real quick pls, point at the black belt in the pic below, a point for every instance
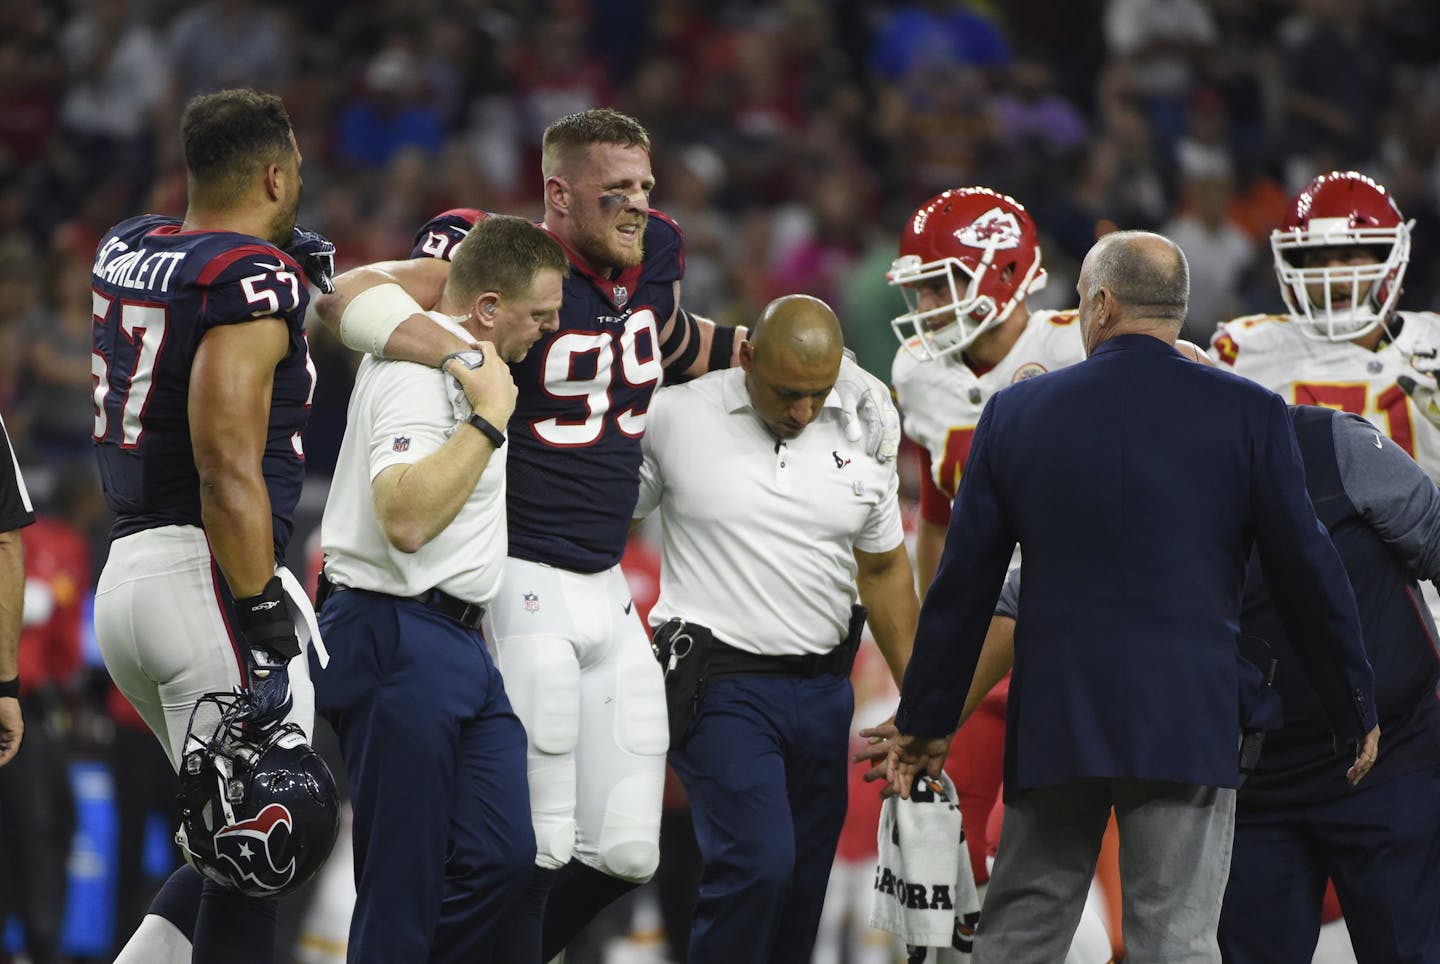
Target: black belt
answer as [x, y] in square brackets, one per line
[466, 614]
[726, 660]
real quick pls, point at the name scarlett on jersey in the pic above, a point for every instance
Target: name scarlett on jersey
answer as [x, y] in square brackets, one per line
[140, 268]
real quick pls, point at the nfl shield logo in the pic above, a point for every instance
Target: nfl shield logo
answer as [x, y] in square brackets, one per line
[620, 294]
[532, 602]
[401, 443]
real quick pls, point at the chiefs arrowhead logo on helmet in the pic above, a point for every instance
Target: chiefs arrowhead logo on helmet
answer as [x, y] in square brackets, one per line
[247, 846]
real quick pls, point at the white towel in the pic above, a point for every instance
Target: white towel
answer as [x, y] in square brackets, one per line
[302, 614]
[924, 888]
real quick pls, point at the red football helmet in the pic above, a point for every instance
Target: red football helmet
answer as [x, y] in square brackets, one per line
[1338, 302]
[984, 246]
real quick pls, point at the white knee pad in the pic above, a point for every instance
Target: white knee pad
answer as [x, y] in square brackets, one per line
[629, 845]
[641, 723]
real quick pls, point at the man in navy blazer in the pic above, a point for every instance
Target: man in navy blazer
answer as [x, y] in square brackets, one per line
[1137, 482]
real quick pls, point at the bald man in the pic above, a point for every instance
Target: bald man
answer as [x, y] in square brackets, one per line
[774, 527]
[1138, 482]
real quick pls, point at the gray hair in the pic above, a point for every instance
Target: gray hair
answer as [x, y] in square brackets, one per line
[1140, 278]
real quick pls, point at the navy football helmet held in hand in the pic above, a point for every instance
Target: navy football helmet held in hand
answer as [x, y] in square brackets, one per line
[315, 255]
[258, 810]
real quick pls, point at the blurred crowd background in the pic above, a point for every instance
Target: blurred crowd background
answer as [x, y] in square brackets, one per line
[791, 139]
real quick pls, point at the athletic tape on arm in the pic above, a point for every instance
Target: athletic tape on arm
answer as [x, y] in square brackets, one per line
[373, 315]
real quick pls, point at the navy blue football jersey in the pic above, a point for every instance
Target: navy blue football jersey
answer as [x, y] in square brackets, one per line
[574, 463]
[157, 290]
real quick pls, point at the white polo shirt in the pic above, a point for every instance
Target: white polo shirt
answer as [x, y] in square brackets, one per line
[399, 413]
[758, 534]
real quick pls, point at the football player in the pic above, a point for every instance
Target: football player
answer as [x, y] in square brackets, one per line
[968, 259]
[202, 387]
[1340, 257]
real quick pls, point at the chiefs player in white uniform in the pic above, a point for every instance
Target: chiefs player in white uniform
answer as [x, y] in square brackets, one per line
[1340, 258]
[968, 259]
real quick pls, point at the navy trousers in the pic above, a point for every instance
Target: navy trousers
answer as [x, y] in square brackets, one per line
[1381, 846]
[765, 770]
[436, 760]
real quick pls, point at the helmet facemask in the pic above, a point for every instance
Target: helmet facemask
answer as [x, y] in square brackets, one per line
[956, 323]
[1366, 293]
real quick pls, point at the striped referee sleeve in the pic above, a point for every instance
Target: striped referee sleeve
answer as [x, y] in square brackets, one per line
[16, 510]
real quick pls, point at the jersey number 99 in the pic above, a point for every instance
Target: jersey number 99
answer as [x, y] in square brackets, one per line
[639, 368]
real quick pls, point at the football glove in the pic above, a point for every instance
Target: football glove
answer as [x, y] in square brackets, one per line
[316, 256]
[268, 636]
[1424, 391]
[870, 415]
[460, 402]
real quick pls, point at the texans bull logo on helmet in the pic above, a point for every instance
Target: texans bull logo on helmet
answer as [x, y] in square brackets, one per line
[249, 846]
[258, 807]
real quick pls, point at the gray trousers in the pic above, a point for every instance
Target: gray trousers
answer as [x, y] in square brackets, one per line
[1175, 841]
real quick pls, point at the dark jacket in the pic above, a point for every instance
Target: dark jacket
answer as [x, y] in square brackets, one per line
[1136, 482]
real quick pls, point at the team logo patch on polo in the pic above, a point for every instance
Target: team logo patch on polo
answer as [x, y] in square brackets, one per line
[401, 443]
[840, 460]
[532, 602]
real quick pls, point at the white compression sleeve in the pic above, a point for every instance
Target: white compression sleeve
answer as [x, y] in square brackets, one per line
[373, 315]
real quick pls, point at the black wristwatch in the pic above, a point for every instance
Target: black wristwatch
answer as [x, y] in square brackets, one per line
[496, 437]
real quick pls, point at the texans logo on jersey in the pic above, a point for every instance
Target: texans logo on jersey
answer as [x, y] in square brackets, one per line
[250, 845]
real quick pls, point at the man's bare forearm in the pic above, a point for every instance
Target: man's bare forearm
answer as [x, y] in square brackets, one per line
[887, 588]
[12, 600]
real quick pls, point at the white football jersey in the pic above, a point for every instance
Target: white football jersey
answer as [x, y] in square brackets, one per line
[941, 400]
[1271, 350]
